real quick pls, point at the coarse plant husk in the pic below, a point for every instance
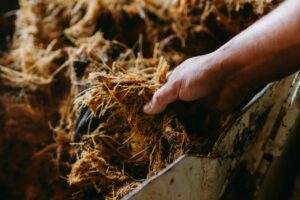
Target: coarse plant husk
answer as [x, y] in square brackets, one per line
[127, 145]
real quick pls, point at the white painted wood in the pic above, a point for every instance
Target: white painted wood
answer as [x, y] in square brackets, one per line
[189, 178]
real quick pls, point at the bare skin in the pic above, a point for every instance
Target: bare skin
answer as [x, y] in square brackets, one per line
[266, 51]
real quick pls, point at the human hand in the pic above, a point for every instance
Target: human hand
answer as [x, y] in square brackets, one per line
[201, 77]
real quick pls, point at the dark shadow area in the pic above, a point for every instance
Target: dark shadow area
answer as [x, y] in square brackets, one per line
[7, 20]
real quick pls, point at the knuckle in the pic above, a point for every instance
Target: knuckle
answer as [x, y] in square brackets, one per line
[185, 91]
[177, 88]
[158, 97]
[175, 84]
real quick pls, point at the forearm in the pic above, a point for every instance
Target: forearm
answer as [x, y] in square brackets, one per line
[266, 51]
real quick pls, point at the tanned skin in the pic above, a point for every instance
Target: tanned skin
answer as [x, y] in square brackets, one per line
[266, 51]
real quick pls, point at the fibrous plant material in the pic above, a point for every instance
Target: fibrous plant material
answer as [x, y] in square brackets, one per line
[127, 145]
[107, 57]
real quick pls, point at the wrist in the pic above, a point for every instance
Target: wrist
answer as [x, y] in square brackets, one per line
[230, 65]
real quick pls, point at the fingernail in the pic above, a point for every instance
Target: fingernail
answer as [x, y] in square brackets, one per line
[147, 108]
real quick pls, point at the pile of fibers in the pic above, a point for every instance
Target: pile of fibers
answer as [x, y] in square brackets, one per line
[127, 145]
[60, 58]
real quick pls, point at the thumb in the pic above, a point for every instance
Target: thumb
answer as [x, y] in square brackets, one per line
[162, 97]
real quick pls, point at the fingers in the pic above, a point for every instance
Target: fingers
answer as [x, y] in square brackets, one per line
[162, 97]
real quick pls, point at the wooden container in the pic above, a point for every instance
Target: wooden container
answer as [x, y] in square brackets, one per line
[256, 139]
